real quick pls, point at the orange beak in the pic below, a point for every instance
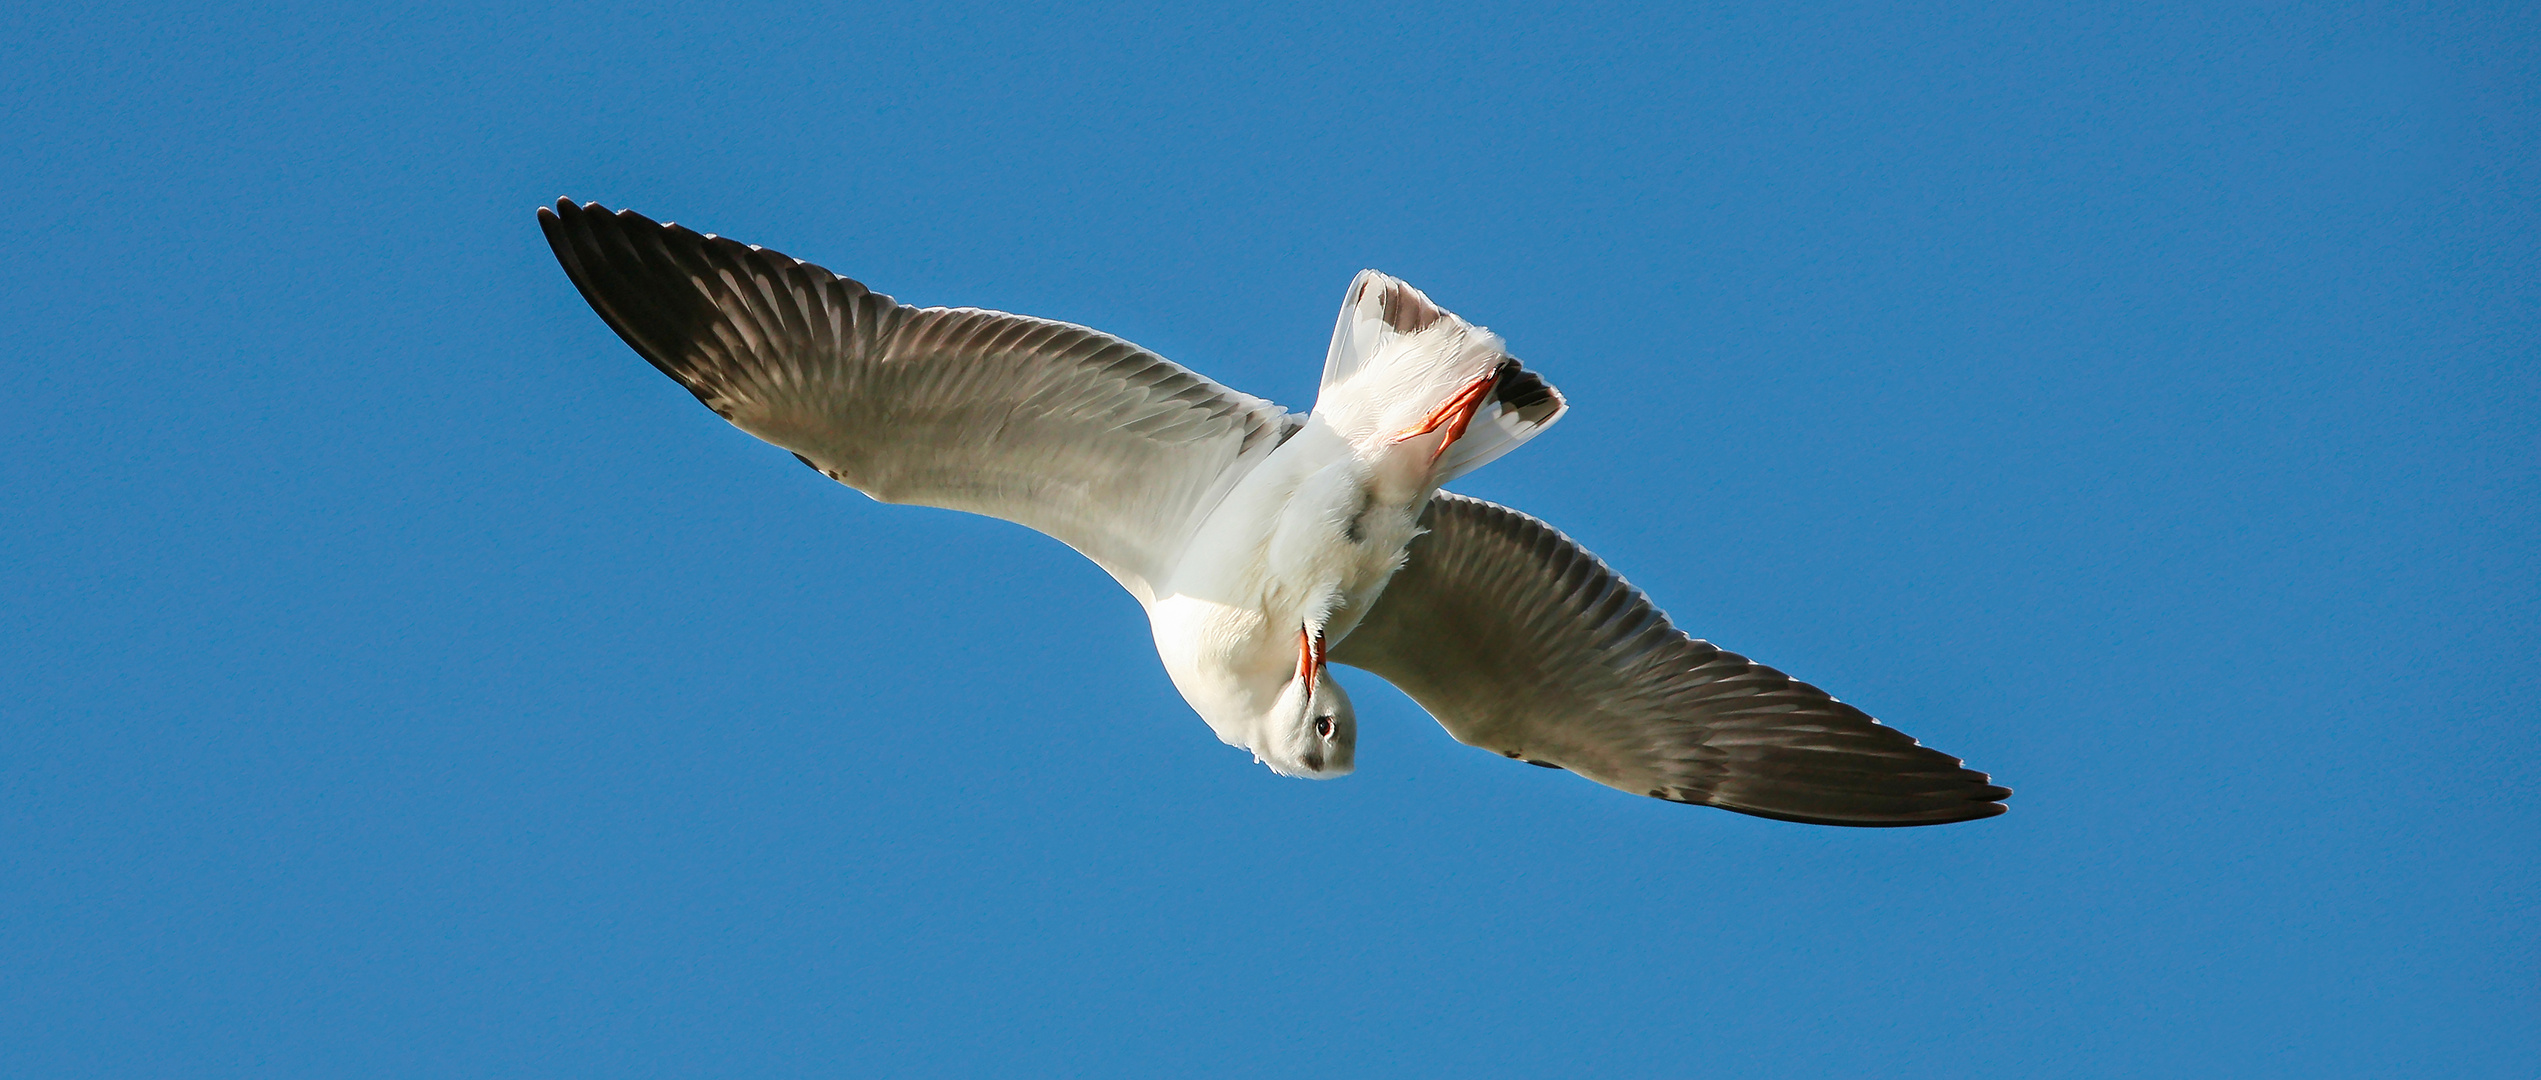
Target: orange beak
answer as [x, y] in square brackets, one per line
[1310, 657]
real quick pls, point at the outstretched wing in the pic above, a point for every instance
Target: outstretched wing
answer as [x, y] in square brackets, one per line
[1112, 449]
[1520, 641]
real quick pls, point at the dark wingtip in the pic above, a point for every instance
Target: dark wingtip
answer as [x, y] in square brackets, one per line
[1951, 816]
[1980, 800]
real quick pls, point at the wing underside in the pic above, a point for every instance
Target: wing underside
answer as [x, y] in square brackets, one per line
[1106, 446]
[1520, 641]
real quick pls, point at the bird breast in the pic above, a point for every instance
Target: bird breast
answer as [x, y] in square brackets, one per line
[1302, 542]
[1334, 547]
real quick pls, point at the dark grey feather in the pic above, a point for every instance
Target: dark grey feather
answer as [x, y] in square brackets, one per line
[1106, 446]
[1521, 642]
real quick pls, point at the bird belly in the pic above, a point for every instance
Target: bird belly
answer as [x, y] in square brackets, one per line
[1303, 543]
[1337, 544]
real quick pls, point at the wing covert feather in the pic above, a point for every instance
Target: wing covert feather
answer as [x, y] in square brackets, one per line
[1108, 447]
[1520, 641]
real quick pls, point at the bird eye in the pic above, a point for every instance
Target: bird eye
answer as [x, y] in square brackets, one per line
[1323, 727]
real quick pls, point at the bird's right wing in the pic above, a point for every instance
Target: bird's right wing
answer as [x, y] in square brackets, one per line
[1112, 449]
[1519, 641]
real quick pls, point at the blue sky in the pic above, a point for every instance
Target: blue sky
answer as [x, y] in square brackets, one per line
[399, 678]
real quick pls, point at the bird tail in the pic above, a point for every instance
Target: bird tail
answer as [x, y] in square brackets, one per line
[1397, 360]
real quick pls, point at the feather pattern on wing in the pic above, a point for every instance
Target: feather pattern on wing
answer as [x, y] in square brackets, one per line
[1110, 448]
[1520, 641]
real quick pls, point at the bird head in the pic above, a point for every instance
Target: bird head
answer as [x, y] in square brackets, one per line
[1310, 730]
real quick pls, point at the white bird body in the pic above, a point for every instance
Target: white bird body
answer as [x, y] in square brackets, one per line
[1260, 542]
[1301, 546]
[1306, 541]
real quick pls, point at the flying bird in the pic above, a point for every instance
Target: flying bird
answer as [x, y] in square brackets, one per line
[1265, 544]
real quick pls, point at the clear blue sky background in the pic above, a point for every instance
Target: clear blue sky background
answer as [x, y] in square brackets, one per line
[402, 679]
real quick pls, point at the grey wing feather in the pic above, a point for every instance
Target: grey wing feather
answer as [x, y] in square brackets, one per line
[1106, 446]
[1520, 641]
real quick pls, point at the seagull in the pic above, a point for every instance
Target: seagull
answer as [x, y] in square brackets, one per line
[1266, 545]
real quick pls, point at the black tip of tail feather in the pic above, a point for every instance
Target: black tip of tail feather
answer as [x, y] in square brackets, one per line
[1519, 390]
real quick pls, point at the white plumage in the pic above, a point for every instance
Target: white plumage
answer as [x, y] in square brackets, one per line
[1264, 544]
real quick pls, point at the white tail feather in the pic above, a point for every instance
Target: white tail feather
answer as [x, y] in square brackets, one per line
[1396, 357]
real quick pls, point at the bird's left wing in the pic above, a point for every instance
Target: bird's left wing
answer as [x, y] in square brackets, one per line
[1519, 641]
[1108, 447]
